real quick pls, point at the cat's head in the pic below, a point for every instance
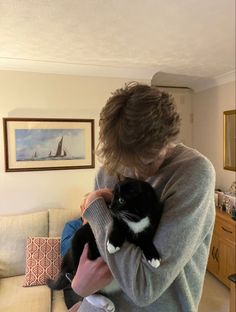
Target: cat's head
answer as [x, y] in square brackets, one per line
[132, 200]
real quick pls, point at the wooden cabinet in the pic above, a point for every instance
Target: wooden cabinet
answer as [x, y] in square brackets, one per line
[222, 257]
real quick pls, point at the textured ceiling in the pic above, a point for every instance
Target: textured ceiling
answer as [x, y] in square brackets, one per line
[118, 37]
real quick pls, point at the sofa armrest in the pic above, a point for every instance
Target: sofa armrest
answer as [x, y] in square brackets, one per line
[14, 231]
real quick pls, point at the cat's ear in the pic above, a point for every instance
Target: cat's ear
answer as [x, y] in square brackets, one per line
[150, 192]
[116, 189]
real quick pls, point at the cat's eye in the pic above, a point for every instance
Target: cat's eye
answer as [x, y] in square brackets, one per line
[121, 200]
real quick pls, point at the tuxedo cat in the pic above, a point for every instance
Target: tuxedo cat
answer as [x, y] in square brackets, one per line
[136, 212]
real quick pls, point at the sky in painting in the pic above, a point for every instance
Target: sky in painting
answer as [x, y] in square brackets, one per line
[44, 141]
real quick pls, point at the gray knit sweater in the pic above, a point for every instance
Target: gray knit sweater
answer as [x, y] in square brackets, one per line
[185, 183]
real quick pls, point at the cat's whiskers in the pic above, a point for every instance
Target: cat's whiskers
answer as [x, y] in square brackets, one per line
[128, 215]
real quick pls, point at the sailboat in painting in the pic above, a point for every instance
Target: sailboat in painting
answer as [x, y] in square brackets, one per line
[60, 152]
[34, 156]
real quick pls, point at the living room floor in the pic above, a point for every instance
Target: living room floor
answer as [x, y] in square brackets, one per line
[215, 296]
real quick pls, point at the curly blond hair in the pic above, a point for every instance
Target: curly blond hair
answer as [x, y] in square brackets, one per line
[136, 123]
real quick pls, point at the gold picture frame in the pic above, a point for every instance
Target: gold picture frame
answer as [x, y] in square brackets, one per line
[230, 140]
[33, 144]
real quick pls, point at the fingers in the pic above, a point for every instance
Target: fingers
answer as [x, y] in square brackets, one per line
[98, 264]
[106, 194]
[82, 206]
[104, 273]
[84, 255]
[84, 220]
[75, 307]
[90, 275]
[102, 269]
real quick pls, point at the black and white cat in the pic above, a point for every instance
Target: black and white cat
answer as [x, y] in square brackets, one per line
[136, 212]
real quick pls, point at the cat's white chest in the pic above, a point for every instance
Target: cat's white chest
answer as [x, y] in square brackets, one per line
[139, 226]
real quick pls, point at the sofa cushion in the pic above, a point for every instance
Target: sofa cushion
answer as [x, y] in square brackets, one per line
[42, 260]
[58, 303]
[15, 298]
[57, 219]
[14, 231]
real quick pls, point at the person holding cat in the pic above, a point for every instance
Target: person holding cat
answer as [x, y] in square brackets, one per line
[138, 127]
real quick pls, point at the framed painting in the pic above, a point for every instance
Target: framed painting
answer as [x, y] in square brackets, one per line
[48, 144]
[230, 140]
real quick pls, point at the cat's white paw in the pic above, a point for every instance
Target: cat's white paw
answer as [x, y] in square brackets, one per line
[154, 263]
[112, 249]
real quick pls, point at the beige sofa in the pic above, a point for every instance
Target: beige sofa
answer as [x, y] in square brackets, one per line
[14, 231]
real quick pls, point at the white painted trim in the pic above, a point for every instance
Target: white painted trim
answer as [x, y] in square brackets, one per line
[225, 78]
[207, 83]
[78, 69]
[128, 72]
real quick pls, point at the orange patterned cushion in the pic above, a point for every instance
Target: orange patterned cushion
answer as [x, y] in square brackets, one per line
[42, 260]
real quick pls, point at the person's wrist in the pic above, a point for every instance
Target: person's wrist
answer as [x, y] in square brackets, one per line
[90, 201]
[76, 288]
[92, 196]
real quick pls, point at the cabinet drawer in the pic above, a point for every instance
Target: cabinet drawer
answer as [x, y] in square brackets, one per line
[225, 230]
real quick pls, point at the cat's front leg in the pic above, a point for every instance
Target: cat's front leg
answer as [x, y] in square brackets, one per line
[151, 254]
[116, 238]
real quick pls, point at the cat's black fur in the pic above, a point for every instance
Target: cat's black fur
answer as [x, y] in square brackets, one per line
[133, 200]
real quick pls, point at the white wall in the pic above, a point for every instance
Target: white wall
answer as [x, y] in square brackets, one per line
[49, 96]
[208, 108]
[60, 96]
[183, 101]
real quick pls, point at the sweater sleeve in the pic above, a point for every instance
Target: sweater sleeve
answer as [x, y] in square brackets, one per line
[187, 220]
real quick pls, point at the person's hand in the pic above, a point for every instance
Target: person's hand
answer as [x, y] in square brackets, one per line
[75, 307]
[82, 208]
[90, 276]
[105, 193]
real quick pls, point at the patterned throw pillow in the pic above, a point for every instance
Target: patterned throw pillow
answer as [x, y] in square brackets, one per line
[42, 260]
